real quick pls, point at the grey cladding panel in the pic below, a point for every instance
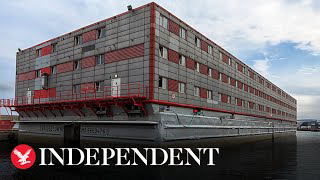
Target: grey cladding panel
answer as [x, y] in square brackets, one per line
[88, 48]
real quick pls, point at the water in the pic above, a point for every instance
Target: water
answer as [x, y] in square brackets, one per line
[296, 157]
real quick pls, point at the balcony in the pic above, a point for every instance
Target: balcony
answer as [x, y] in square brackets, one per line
[90, 97]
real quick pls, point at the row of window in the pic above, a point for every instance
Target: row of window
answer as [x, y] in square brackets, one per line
[53, 70]
[98, 87]
[99, 61]
[252, 90]
[163, 53]
[163, 84]
[76, 65]
[255, 77]
[77, 41]
[182, 33]
[240, 102]
[164, 23]
[53, 49]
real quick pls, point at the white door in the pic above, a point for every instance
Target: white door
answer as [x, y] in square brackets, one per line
[29, 96]
[115, 87]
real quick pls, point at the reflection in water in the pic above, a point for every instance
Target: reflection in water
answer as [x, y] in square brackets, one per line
[292, 157]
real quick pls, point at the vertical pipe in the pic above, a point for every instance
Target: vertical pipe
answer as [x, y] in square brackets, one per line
[95, 92]
[152, 49]
[129, 89]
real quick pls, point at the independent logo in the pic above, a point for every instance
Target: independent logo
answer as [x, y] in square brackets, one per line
[23, 156]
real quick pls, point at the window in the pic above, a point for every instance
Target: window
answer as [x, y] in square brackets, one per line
[229, 80]
[76, 89]
[243, 70]
[163, 21]
[196, 91]
[162, 82]
[76, 64]
[237, 101]
[242, 104]
[98, 86]
[237, 66]
[53, 69]
[182, 60]
[181, 87]
[99, 33]
[197, 66]
[220, 76]
[236, 83]
[38, 73]
[229, 61]
[220, 56]
[209, 72]
[99, 59]
[220, 97]
[229, 100]
[163, 52]
[38, 52]
[209, 94]
[182, 33]
[54, 47]
[210, 49]
[197, 42]
[76, 40]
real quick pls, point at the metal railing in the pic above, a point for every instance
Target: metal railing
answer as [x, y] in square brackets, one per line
[135, 90]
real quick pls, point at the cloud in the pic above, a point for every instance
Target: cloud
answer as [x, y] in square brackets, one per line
[262, 66]
[309, 70]
[5, 87]
[308, 106]
[254, 24]
[234, 25]
[306, 78]
[305, 87]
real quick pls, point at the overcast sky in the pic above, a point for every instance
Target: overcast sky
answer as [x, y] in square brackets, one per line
[278, 38]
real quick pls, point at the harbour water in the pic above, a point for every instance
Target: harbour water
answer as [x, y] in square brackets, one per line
[294, 157]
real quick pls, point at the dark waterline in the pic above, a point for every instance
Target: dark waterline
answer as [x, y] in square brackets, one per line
[296, 157]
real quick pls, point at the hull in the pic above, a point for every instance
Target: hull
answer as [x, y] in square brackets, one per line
[173, 127]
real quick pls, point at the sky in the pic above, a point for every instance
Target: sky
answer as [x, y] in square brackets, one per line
[280, 39]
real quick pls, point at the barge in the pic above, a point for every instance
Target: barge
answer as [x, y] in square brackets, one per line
[143, 76]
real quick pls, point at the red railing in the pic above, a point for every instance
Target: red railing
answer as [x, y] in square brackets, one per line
[135, 90]
[6, 124]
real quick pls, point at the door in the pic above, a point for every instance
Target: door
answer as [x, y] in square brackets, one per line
[29, 97]
[115, 87]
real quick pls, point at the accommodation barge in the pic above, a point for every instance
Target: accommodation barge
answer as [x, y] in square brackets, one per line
[142, 76]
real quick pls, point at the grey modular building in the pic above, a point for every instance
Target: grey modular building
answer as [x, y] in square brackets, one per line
[143, 76]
